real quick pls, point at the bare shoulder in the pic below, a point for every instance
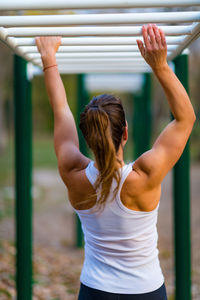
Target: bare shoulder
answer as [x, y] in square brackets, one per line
[76, 175]
[78, 185]
[136, 195]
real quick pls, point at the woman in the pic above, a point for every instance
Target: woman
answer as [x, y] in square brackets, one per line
[117, 203]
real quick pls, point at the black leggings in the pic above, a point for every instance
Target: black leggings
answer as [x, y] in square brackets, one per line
[87, 293]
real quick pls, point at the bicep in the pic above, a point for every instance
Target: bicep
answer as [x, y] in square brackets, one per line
[166, 151]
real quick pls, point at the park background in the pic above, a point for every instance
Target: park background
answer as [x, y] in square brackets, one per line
[57, 263]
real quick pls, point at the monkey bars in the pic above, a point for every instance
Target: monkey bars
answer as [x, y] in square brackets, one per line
[98, 35]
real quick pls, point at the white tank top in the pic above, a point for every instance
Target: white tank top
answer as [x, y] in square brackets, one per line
[121, 254]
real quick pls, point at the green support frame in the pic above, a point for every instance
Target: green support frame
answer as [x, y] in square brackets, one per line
[82, 101]
[142, 119]
[23, 179]
[181, 191]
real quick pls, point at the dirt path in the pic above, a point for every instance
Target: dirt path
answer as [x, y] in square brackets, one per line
[58, 264]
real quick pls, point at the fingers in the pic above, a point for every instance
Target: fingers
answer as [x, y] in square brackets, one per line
[145, 37]
[50, 39]
[154, 38]
[157, 36]
[141, 47]
[47, 43]
[163, 40]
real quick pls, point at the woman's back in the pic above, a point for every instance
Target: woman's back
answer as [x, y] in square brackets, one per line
[120, 244]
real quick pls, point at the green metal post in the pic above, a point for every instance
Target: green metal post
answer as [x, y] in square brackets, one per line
[142, 118]
[181, 190]
[82, 99]
[23, 178]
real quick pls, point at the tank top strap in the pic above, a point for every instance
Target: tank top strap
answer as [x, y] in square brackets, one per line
[125, 171]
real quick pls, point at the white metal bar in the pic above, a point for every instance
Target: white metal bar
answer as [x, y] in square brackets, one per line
[171, 40]
[93, 55]
[102, 67]
[105, 71]
[92, 49]
[93, 31]
[116, 61]
[135, 56]
[12, 45]
[92, 4]
[105, 19]
[186, 42]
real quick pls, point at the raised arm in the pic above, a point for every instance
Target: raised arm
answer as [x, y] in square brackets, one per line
[153, 165]
[65, 133]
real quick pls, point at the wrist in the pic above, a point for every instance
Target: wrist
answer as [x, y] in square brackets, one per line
[160, 68]
[48, 59]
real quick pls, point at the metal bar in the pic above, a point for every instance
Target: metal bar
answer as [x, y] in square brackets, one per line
[10, 42]
[93, 31]
[103, 66]
[98, 71]
[181, 188]
[85, 68]
[171, 40]
[90, 49]
[109, 61]
[142, 118]
[93, 55]
[105, 19]
[92, 4]
[101, 55]
[23, 169]
[187, 41]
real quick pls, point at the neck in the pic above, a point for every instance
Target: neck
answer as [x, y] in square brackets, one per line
[120, 155]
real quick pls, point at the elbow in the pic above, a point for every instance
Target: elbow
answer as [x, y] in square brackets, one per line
[191, 117]
[194, 118]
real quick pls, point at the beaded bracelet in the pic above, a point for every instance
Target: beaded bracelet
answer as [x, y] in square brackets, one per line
[49, 67]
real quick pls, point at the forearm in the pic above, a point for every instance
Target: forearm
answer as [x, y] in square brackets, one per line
[176, 94]
[54, 85]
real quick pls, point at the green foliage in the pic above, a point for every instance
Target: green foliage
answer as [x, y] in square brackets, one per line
[43, 152]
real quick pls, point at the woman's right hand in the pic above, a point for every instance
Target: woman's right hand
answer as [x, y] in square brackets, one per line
[154, 49]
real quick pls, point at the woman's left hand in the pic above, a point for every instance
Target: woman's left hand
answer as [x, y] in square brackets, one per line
[48, 45]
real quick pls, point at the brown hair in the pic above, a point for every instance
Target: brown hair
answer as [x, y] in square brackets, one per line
[102, 124]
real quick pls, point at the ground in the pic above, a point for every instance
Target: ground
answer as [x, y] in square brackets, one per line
[57, 263]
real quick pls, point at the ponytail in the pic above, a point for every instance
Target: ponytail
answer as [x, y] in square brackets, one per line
[97, 130]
